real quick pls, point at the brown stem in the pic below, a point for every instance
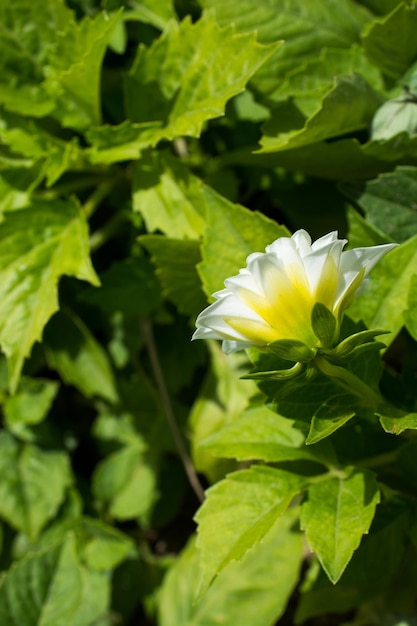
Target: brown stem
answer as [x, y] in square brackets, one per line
[147, 330]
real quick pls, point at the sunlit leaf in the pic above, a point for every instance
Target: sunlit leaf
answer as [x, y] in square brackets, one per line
[26, 469]
[306, 29]
[169, 197]
[222, 398]
[73, 77]
[334, 117]
[30, 405]
[389, 41]
[50, 587]
[37, 246]
[260, 433]
[233, 596]
[238, 513]
[338, 511]
[373, 566]
[22, 90]
[77, 356]
[186, 77]
[389, 202]
[175, 261]
[124, 483]
[243, 232]
[384, 299]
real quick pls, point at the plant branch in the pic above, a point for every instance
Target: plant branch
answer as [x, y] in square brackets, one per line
[147, 330]
[98, 195]
[101, 236]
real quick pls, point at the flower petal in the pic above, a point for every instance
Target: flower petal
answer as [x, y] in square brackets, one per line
[352, 263]
[215, 317]
[302, 240]
[324, 241]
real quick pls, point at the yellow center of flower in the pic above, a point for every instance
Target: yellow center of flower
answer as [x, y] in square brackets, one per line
[286, 308]
[326, 289]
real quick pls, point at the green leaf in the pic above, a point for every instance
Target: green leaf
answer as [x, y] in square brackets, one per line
[261, 433]
[332, 415]
[16, 184]
[51, 587]
[306, 404]
[222, 399]
[126, 141]
[394, 117]
[238, 513]
[399, 148]
[175, 261]
[37, 246]
[306, 28]
[384, 299]
[25, 503]
[307, 84]
[242, 232]
[338, 512]
[53, 155]
[23, 52]
[396, 421]
[186, 77]
[56, 67]
[150, 13]
[334, 117]
[73, 77]
[95, 599]
[169, 197]
[49, 569]
[390, 42]
[389, 202]
[101, 547]
[233, 595]
[361, 232]
[370, 572]
[76, 355]
[119, 428]
[30, 405]
[344, 159]
[124, 483]
[410, 317]
[379, 7]
[128, 286]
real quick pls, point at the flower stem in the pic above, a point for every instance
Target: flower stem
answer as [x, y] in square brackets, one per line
[385, 458]
[349, 381]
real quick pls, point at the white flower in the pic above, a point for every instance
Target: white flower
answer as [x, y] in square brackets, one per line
[272, 298]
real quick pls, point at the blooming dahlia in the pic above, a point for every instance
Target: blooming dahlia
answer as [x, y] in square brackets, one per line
[273, 297]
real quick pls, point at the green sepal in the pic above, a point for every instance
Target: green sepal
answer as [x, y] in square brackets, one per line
[324, 324]
[276, 374]
[292, 350]
[297, 382]
[353, 345]
[365, 347]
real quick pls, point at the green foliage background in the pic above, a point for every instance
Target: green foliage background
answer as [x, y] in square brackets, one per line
[146, 148]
